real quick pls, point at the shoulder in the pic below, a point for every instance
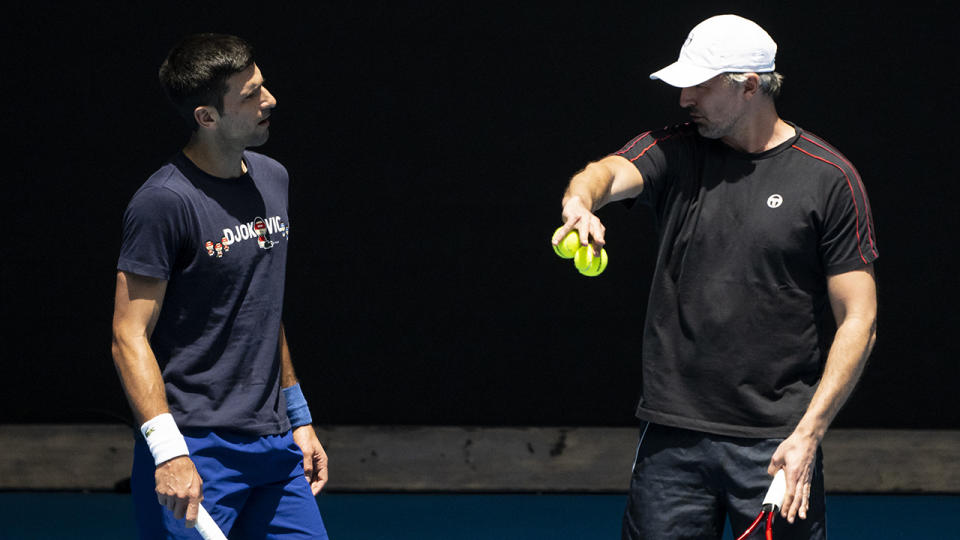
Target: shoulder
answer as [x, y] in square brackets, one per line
[637, 146]
[818, 154]
[838, 183]
[262, 164]
[166, 187]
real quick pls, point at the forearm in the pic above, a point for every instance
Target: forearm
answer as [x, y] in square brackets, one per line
[297, 410]
[848, 355]
[140, 376]
[592, 186]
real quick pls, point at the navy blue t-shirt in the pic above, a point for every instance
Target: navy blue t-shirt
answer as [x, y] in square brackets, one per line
[738, 319]
[221, 244]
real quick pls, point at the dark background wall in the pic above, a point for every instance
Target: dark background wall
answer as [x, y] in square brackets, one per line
[429, 144]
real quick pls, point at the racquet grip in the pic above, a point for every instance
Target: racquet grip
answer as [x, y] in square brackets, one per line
[777, 490]
[207, 527]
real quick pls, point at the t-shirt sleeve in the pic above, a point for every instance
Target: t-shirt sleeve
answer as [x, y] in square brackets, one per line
[153, 233]
[849, 240]
[650, 155]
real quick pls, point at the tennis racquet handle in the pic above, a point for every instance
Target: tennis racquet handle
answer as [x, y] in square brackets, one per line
[777, 490]
[207, 527]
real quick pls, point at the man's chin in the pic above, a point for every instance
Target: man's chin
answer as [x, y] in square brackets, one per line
[709, 133]
[259, 141]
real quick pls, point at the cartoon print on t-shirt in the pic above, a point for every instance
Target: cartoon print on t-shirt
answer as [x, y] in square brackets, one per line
[258, 228]
[263, 236]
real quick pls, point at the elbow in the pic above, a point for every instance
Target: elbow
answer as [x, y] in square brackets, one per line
[600, 169]
[122, 342]
[115, 347]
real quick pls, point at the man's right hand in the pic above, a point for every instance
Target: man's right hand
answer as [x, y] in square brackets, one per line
[576, 215]
[180, 488]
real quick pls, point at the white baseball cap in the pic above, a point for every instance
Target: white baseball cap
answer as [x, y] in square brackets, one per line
[721, 44]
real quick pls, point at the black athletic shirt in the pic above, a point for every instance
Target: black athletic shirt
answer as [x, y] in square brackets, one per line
[221, 244]
[737, 327]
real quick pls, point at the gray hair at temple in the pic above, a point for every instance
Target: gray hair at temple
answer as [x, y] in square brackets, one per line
[770, 83]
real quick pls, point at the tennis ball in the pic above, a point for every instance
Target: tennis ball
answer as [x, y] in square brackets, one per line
[589, 264]
[567, 247]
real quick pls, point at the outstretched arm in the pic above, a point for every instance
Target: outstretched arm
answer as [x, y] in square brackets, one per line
[609, 179]
[137, 305]
[853, 298]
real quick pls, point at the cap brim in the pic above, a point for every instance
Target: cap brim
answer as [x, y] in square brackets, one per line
[684, 75]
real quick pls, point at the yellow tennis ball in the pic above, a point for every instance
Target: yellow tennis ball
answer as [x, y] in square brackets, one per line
[589, 264]
[567, 247]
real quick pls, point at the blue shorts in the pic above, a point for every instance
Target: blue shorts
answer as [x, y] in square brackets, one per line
[253, 487]
[686, 483]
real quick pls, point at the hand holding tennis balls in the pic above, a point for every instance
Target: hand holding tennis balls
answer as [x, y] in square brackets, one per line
[583, 257]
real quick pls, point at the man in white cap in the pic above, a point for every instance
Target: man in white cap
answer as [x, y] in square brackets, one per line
[765, 230]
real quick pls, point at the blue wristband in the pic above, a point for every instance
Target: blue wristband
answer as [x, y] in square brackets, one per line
[297, 410]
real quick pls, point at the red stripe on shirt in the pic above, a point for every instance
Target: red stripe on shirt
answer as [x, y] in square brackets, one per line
[863, 190]
[852, 196]
[644, 151]
[635, 141]
[649, 146]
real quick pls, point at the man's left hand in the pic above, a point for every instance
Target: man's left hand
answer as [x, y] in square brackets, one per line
[796, 455]
[314, 457]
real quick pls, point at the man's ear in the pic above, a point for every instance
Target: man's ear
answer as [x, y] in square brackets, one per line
[206, 116]
[751, 86]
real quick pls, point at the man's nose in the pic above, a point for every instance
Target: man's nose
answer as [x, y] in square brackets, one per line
[686, 98]
[269, 101]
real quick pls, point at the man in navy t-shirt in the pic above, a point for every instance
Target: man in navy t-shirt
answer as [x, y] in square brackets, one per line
[198, 339]
[764, 229]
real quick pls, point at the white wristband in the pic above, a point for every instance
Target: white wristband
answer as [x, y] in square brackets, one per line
[164, 438]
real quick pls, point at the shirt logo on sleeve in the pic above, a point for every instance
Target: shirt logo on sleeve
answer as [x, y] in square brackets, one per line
[775, 200]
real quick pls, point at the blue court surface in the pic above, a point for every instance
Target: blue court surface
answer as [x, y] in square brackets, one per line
[107, 516]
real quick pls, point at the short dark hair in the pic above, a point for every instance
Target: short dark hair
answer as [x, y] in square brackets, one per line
[196, 70]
